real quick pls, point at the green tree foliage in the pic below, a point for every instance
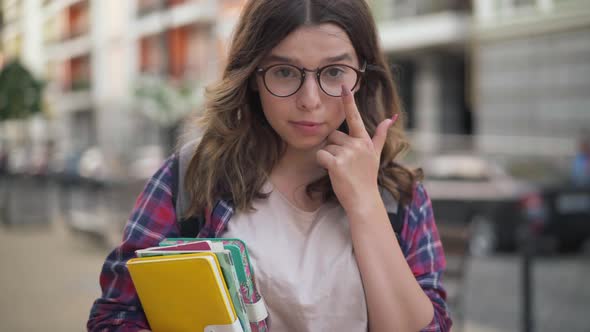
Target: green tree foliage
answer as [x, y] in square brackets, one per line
[20, 92]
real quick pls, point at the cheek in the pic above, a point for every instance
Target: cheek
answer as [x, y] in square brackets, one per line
[335, 111]
[271, 107]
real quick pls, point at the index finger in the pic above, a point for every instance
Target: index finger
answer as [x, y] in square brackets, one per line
[356, 127]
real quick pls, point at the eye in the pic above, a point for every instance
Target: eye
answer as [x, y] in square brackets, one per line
[334, 71]
[284, 72]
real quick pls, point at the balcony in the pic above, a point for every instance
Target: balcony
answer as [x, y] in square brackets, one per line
[80, 85]
[529, 17]
[146, 7]
[70, 48]
[74, 101]
[402, 9]
[177, 13]
[422, 32]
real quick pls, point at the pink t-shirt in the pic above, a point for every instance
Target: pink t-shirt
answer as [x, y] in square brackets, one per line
[304, 264]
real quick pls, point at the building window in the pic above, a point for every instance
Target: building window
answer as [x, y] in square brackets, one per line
[77, 76]
[178, 49]
[77, 20]
[151, 53]
[186, 56]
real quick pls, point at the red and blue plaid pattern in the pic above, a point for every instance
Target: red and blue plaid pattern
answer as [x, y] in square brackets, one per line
[153, 219]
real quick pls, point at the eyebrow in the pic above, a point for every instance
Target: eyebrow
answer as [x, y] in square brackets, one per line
[279, 58]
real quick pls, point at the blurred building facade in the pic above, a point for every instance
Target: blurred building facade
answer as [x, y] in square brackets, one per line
[531, 74]
[94, 56]
[501, 76]
[427, 42]
[507, 77]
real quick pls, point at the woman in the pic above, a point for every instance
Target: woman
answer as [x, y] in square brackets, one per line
[297, 149]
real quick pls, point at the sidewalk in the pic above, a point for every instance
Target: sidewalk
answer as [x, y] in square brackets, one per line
[48, 279]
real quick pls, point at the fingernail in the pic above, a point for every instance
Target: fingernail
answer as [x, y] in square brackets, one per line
[394, 118]
[345, 91]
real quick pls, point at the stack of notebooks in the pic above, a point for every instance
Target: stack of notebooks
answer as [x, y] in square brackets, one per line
[197, 285]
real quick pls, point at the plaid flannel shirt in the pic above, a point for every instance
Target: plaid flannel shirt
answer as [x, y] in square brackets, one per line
[153, 218]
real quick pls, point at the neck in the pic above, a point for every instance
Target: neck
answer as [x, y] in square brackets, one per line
[299, 166]
[293, 173]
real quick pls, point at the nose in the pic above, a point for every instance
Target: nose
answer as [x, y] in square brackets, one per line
[308, 96]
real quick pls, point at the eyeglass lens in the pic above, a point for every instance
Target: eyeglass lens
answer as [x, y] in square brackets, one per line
[285, 80]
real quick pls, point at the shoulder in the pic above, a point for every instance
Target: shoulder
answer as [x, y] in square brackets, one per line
[161, 186]
[153, 216]
[420, 198]
[167, 170]
[420, 205]
[419, 217]
[419, 213]
[423, 249]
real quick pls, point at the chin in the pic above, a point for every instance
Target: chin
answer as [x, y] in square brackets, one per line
[306, 143]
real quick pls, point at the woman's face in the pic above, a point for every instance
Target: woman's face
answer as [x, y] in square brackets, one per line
[304, 119]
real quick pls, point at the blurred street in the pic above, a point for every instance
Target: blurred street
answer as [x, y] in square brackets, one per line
[70, 265]
[561, 294]
[49, 279]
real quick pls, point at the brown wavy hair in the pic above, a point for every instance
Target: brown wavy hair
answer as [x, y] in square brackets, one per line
[239, 148]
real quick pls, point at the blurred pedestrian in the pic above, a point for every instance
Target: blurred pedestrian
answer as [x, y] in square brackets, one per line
[40, 163]
[4, 184]
[581, 163]
[3, 159]
[299, 152]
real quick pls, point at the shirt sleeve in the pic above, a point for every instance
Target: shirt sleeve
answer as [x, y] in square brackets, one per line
[152, 219]
[425, 256]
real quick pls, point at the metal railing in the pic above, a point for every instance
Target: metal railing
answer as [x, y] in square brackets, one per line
[500, 145]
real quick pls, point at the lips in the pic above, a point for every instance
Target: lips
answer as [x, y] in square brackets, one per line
[306, 123]
[307, 127]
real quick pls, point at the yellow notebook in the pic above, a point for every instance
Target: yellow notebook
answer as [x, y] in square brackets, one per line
[182, 293]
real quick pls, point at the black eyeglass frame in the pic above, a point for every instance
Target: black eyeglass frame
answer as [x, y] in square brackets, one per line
[318, 72]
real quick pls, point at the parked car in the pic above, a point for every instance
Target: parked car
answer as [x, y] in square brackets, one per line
[479, 197]
[565, 217]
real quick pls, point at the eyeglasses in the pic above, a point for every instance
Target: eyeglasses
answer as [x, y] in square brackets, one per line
[284, 80]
